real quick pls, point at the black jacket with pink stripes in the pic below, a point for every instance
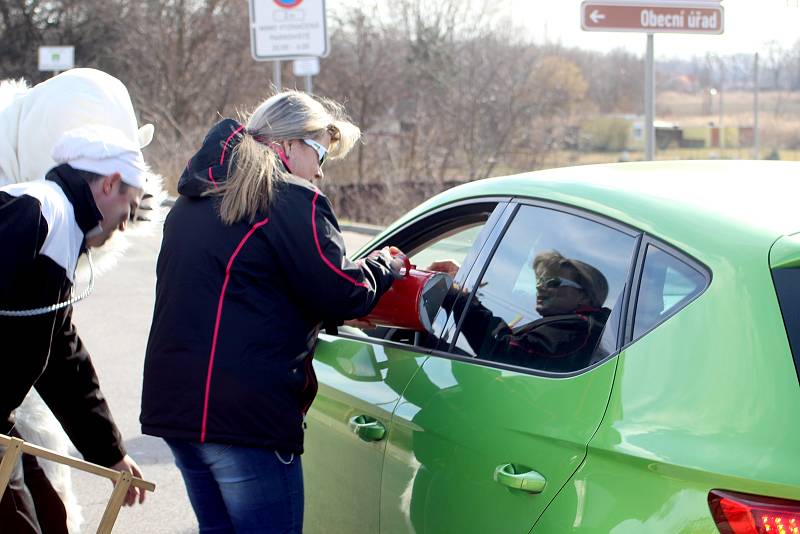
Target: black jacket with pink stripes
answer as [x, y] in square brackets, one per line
[238, 308]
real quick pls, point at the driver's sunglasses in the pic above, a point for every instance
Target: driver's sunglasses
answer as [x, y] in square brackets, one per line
[321, 150]
[556, 282]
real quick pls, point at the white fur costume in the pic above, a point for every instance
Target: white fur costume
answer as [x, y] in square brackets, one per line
[31, 121]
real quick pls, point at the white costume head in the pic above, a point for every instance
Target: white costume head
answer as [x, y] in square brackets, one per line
[31, 121]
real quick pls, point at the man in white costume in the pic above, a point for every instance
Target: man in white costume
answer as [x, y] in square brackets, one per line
[31, 122]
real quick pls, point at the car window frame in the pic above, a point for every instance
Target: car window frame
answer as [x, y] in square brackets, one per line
[496, 222]
[504, 212]
[650, 240]
[485, 260]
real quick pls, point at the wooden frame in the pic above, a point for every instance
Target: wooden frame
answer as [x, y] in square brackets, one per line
[15, 447]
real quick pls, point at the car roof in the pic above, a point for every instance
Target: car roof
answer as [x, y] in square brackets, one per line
[687, 202]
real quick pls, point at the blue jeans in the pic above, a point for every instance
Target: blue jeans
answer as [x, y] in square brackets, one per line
[241, 490]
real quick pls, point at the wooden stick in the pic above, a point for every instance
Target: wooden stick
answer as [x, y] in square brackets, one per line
[10, 458]
[121, 485]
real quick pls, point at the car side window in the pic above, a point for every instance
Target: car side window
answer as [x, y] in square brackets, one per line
[454, 243]
[545, 299]
[667, 284]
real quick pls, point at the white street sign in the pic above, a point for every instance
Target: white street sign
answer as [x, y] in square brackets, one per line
[286, 29]
[55, 58]
[307, 66]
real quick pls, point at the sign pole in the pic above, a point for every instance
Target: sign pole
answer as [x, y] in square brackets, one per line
[309, 88]
[649, 101]
[276, 74]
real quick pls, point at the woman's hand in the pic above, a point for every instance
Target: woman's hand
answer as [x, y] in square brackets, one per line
[361, 324]
[394, 258]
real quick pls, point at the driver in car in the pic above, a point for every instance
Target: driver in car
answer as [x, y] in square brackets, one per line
[569, 298]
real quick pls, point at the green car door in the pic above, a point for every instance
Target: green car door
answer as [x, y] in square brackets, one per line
[498, 418]
[362, 374]
[347, 429]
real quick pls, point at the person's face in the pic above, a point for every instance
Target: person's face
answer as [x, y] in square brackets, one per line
[556, 292]
[117, 204]
[304, 159]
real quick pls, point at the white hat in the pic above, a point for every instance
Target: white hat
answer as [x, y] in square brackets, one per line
[103, 150]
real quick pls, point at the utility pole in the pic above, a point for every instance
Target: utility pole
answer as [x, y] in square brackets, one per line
[756, 137]
[721, 91]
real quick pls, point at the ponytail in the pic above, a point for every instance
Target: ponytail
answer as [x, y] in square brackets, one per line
[250, 185]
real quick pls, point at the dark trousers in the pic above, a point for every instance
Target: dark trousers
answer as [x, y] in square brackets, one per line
[30, 505]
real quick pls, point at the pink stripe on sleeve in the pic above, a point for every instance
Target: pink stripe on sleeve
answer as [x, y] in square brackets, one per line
[319, 248]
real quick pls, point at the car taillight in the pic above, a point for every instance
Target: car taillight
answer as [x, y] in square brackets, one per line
[739, 513]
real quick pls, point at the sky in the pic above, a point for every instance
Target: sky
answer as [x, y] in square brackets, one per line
[749, 27]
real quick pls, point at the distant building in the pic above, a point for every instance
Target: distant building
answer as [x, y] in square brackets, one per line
[712, 137]
[667, 134]
[626, 132]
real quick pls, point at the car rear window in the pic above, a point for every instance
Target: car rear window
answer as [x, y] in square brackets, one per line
[787, 286]
[667, 285]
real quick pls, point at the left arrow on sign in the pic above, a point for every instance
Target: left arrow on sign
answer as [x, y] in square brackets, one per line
[596, 16]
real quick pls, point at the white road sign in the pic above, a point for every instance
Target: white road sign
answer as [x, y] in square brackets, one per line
[307, 66]
[286, 29]
[56, 58]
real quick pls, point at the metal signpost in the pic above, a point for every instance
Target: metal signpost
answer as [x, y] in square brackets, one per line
[56, 58]
[659, 16]
[287, 29]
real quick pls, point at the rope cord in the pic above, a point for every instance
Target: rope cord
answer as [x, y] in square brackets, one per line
[60, 305]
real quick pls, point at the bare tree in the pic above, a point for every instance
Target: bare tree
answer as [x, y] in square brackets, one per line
[365, 74]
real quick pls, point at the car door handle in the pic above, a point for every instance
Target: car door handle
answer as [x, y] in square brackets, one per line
[519, 478]
[367, 428]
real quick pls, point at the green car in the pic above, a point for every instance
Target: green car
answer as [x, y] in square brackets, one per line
[618, 352]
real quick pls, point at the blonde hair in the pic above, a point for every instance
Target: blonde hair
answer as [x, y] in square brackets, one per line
[255, 167]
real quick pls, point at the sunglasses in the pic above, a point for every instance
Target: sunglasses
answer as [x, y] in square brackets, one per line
[321, 150]
[556, 282]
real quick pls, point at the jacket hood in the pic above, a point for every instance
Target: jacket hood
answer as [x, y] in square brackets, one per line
[209, 166]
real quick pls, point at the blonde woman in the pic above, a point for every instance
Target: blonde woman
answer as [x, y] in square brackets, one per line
[252, 264]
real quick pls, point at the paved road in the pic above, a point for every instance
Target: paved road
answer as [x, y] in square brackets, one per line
[113, 324]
